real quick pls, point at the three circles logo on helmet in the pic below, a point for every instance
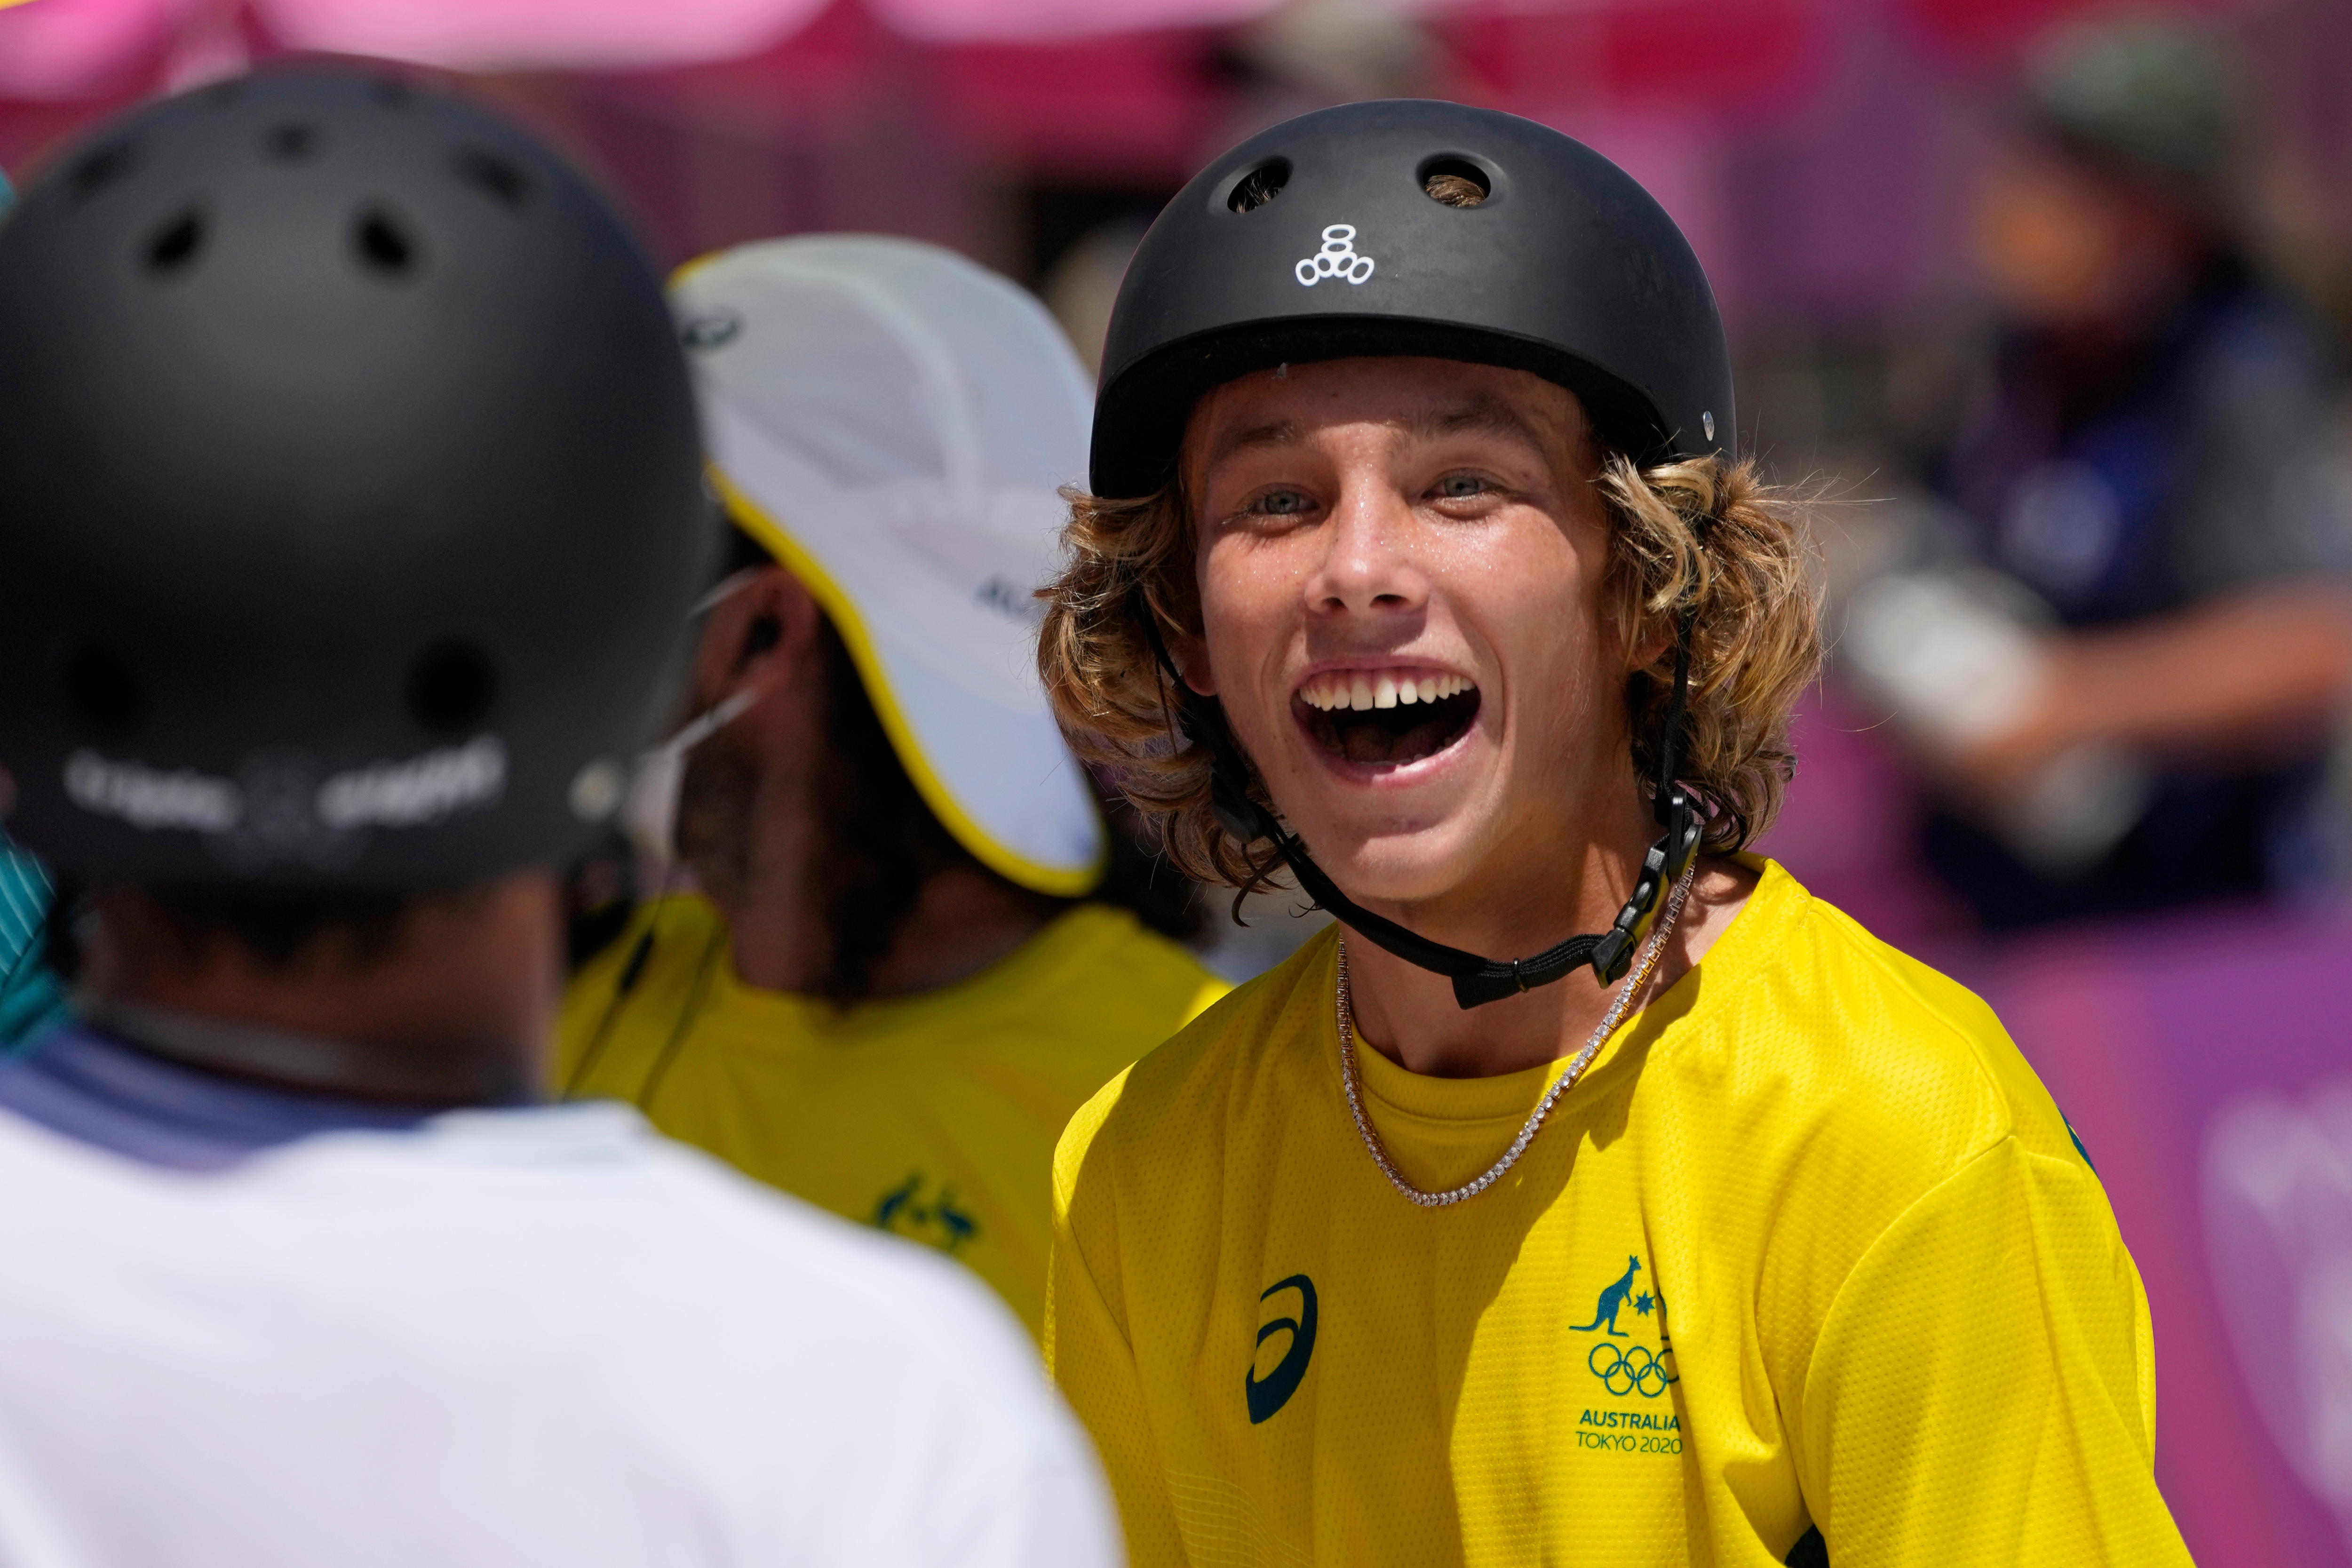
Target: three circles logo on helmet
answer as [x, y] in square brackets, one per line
[1337, 258]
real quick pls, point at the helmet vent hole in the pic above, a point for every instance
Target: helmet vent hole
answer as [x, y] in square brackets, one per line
[384, 246]
[1455, 182]
[491, 174]
[290, 141]
[451, 687]
[100, 689]
[1260, 185]
[175, 245]
[99, 170]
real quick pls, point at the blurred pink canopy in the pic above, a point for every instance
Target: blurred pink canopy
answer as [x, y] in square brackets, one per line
[65, 50]
[1047, 19]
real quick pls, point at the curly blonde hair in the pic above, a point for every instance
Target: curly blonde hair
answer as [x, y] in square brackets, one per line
[1701, 537]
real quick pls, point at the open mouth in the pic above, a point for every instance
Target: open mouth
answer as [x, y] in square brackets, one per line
[1386, 717]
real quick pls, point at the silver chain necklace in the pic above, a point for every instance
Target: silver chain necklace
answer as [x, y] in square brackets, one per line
[1561, 1085]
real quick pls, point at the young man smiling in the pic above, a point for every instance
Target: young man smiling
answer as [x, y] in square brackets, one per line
[1721, 1234]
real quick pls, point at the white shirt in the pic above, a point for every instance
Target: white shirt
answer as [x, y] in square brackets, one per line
[487, 1337]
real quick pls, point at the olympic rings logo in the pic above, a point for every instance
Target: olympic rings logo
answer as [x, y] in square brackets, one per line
[1623, 1373]
[1337, 258]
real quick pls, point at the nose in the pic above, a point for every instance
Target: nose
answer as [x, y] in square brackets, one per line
[1367, 567]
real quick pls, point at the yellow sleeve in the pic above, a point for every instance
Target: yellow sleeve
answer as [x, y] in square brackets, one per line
[1212, 990]
[1983, 1388]
[1086, 1345]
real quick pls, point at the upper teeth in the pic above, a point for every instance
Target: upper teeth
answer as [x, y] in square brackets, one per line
[1359, 689]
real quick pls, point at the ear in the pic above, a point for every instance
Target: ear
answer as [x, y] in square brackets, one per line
[1656, 640]
[1191, 656]
[757, 636]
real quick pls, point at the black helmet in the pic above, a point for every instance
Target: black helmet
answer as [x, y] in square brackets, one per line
[1322, 239]
[355, 499]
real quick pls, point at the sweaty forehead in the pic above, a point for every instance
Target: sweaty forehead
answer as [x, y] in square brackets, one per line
[1426, 399]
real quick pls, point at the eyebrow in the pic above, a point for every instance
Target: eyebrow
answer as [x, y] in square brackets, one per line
[1278, 433]
[1483, 415]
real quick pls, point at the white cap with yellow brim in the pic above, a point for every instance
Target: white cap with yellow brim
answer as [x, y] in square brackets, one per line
[895, 424]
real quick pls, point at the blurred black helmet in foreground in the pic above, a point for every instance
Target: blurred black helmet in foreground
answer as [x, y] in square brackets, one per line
[355, 499]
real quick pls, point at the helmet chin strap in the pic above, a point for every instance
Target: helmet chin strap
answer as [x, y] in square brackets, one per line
[1476, 981]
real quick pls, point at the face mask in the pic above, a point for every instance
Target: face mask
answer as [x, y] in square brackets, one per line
[649, 815]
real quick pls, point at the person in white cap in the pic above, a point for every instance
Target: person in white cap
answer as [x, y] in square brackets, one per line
[888, 990]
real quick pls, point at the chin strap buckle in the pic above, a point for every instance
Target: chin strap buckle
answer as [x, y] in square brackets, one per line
[1669, 856]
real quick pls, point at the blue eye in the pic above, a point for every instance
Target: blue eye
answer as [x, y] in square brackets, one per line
[1284, 503]
[1461, 487]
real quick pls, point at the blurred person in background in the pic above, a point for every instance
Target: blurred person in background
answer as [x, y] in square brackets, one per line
[360, 519]
[890, 986]
[2125, 678]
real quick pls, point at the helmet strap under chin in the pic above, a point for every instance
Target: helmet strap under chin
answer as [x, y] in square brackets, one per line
[1477, 980]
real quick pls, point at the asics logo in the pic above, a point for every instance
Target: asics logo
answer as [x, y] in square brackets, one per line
[1337, 258]
[1269, 1393]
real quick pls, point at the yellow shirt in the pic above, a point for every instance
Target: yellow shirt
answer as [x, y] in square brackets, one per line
[1809, 1245]
[931, 1115]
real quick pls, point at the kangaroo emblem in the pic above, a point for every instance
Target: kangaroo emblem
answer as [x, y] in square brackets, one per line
[1613, 1301]
[939, 1223]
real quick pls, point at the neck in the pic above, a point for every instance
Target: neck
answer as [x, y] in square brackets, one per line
[450, 1004]
[1518, 907]
[771, 891]
[964, 921]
